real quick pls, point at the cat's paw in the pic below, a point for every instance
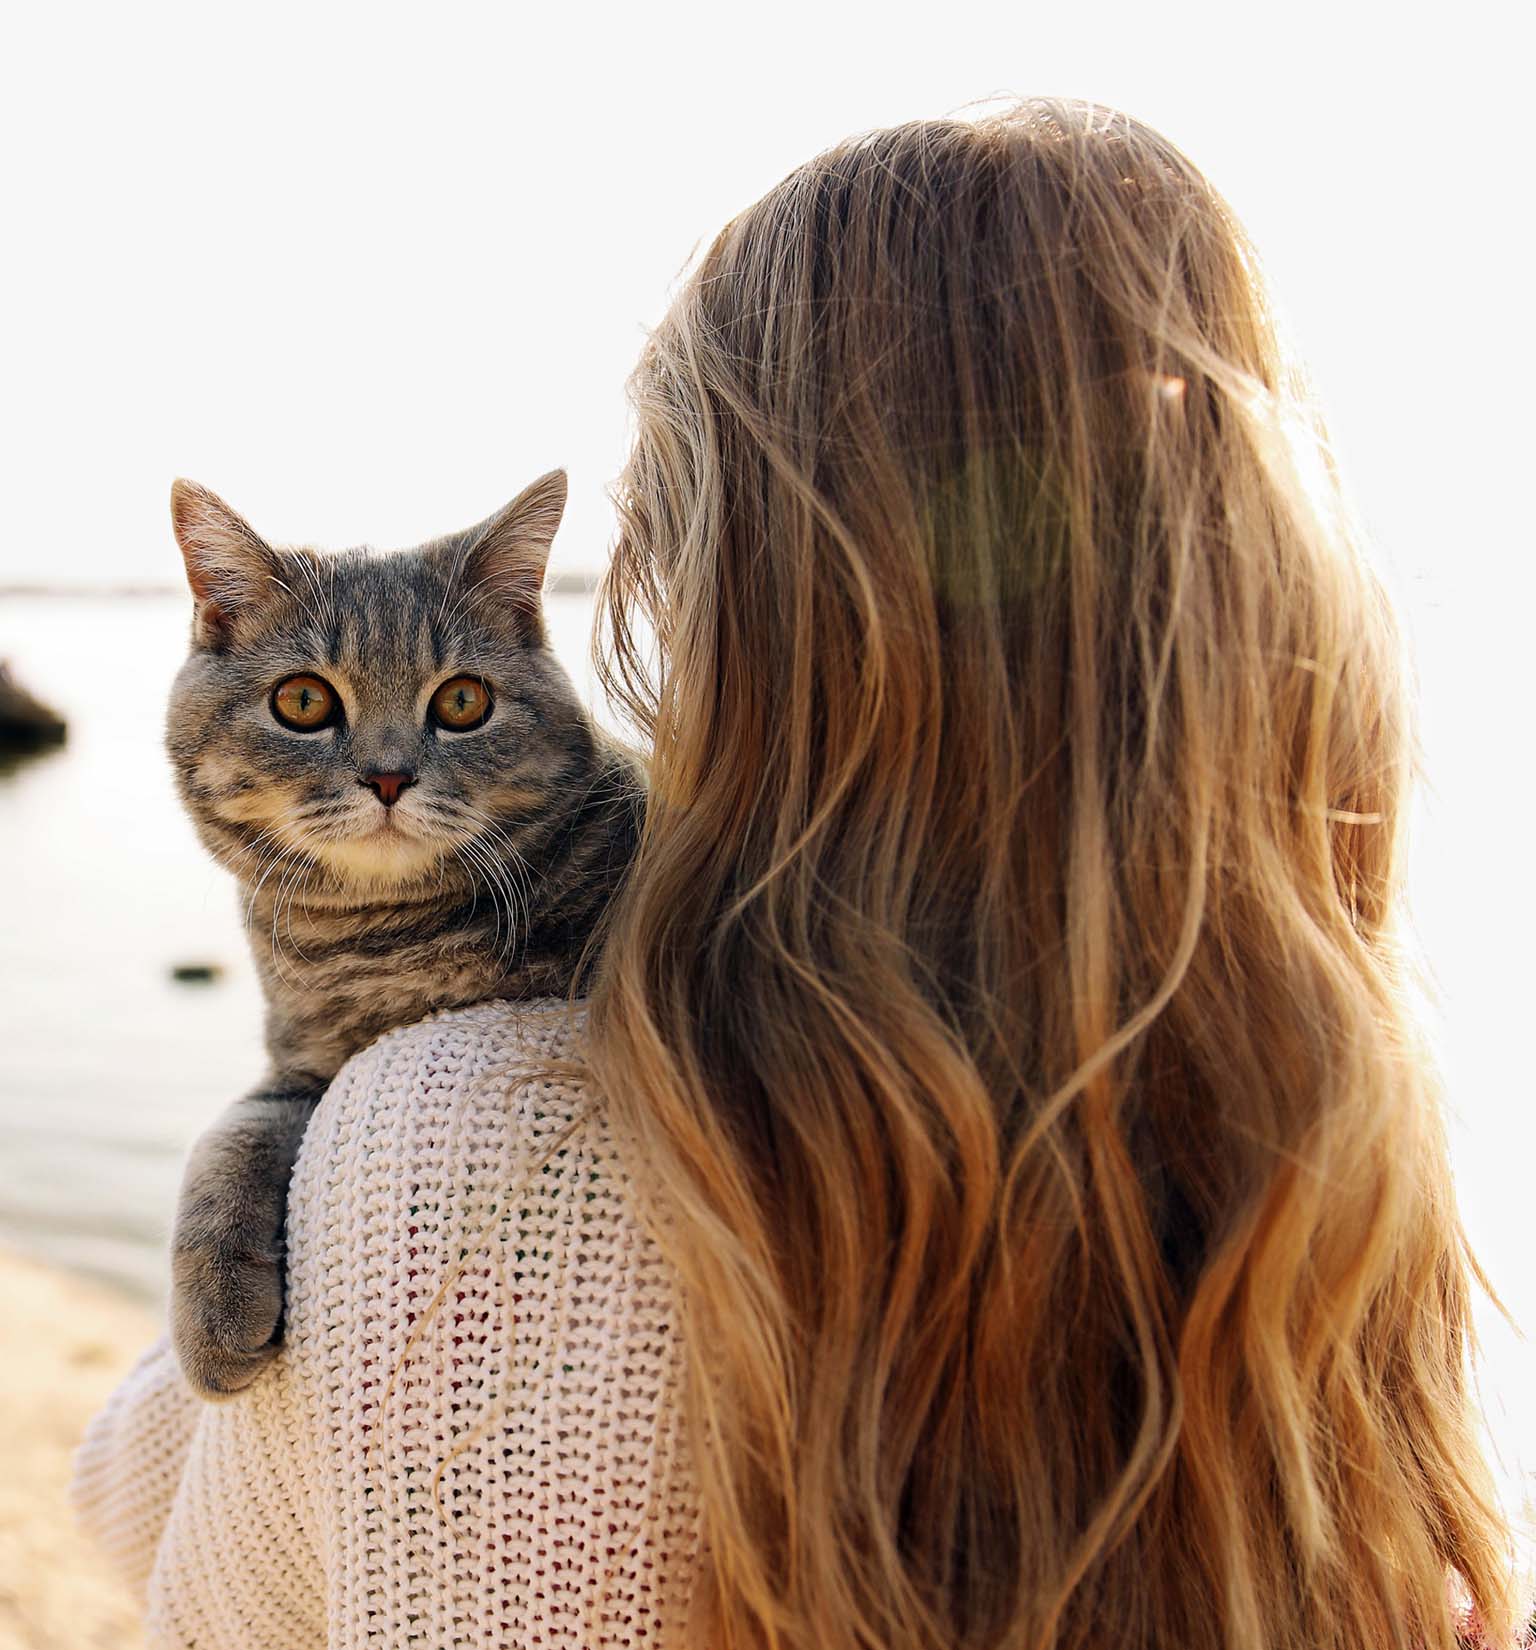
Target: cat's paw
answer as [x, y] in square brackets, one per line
[226, 1314]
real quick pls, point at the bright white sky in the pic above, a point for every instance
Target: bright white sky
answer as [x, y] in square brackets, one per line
[366, 270]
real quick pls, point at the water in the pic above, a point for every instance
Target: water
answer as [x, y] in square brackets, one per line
[109, 1066]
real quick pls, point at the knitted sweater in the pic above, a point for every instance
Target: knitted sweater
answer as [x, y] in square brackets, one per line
[471, 1437]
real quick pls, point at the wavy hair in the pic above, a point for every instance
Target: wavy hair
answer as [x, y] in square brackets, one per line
[1007, 1001]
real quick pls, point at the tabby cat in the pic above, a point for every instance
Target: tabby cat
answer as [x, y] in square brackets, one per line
[387, 755]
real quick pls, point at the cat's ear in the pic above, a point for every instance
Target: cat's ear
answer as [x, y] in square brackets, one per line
[509, 552]
[230, 567]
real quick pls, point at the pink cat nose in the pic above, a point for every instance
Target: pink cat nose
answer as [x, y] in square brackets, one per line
[387, 786]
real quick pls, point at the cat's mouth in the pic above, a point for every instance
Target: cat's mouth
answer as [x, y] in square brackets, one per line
[382, 849]
[376, 818]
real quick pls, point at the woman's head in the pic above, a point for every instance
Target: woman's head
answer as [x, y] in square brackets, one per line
[1006, 996]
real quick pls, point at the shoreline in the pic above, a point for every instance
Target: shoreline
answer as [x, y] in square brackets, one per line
[69, 1341]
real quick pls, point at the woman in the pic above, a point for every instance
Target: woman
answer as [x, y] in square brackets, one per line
[995, 1195]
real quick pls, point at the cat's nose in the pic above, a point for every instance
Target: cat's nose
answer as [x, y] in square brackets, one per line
[387, 786]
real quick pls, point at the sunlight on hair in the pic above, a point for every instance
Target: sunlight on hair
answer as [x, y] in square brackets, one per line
[1019, 1021]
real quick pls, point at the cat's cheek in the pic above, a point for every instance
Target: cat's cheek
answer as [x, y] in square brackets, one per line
[239, 797]
[513, 800]
[217, 775]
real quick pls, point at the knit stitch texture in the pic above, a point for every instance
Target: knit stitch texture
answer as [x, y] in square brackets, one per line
[471, 1438]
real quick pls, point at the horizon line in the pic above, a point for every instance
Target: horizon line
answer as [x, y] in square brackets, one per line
[563, 582]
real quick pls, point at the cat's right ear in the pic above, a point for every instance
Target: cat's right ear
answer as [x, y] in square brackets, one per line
[230, 567]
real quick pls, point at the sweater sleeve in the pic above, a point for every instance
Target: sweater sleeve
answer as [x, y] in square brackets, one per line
[471, 1437]
[130, 1462]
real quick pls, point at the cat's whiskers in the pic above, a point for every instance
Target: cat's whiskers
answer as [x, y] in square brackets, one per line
[442, 878]
[520, 872]
[491, 829]
[501, 898]
[272, 852]
[278, 853]
[297, 886]
[516, 925]
[266, 845]
[269, 861]
[468, 856]
[504, 892]
[474, 886]
[284, 887]
[513, 869]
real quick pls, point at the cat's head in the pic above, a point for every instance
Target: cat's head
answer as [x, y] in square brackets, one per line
[369, 721]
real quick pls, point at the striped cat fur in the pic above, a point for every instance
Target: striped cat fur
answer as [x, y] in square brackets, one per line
[390, 865]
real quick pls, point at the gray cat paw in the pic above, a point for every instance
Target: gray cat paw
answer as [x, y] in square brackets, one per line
[226, 1308]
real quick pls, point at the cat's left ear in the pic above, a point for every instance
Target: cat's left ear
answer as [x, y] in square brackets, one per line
[509, 552]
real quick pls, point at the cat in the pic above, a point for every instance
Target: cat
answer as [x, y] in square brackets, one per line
[420, 813]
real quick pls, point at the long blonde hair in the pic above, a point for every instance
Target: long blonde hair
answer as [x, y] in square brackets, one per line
[1006, 1002]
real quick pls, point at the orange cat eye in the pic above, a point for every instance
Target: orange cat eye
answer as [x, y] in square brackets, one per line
[304, 703]
[461, 703]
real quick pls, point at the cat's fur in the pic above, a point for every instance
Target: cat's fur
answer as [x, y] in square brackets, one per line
[485, 879]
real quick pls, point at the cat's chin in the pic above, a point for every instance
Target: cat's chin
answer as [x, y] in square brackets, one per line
[383, 862]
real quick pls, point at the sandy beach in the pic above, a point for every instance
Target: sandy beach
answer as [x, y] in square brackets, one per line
[66, 1344]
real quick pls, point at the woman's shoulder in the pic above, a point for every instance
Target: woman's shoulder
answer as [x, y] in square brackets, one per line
[447, 1115]
[517, 1058]
[452, 1149]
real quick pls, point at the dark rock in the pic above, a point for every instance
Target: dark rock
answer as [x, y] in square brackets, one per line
[26, 724]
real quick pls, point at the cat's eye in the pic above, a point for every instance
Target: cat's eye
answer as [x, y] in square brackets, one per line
[305, 703]
[461, 704]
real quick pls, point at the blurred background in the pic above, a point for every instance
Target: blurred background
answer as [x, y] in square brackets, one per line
[368, 270]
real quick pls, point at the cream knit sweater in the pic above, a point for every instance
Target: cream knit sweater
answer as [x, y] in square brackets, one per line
[471, 1437]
